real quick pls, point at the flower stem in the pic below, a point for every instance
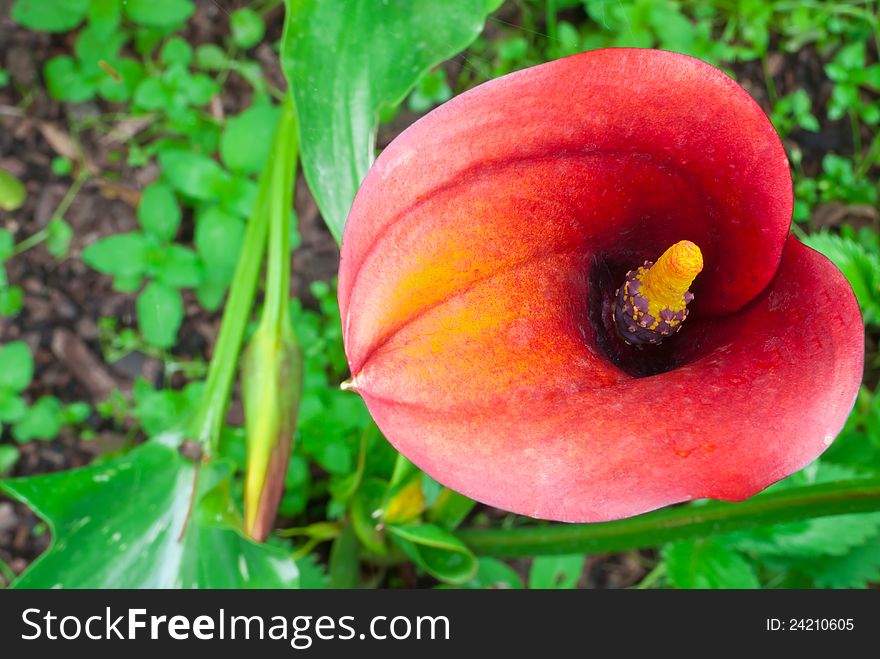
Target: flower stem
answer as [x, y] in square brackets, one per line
[271, 367]
[207, 423]
[679, 523]
[652, 577]
[276, 313]
[30, 242]
[36, 238]
[867, 161]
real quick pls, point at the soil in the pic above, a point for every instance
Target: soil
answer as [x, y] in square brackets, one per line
[64, 300]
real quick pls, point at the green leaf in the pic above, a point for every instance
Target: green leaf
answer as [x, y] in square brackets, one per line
[176, 51]
[118, 525]
[450, 509]
[122, 255]
[66, 81]
[201, 89]
[127, 284]
[238, 196]
[159, 314]
[707, 564]
[76, 412]
[832, 536]
[43, 420]
[857, 447]
[50, 15]
[335, 457]
[211, 57]
[858, 568]
[104, 15]
[159, 13]
[347, 59]
[131, 73]
[431, 90]
[247, 139]
[311, 573]
[150, 94]
[860, 267]
[158, 212]
[365, 502]
[12, 192]
[11, 301]
[513, 50]
[193, 174]
[218, 239]
[16, 366]
[296, 487]
[252, 72]
[436, 551]
[556, 571]
[160, 410]
[247, 27]
[8, 457]
[210, 294]
[58, 236]
[344, 564]
[92, 47]
[7, 242]
[147, 39]
[178, 267]
[494, 574]
[852, 56]
[12, 406]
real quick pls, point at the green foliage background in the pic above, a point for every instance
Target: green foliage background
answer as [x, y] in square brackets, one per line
[353, 511]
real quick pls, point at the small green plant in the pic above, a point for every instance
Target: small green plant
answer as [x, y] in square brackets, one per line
[17, 365]
[853, 79]
[117, 342]
[840, 181]
[56, 236]
[174, 84]
[151, 254]
[98, 68]
[9, 456]
[42, 419]
[160, 410]
[12, 191]
[11, 297]
[556, 571]
[221, 198]
[432, 90]
[247, 28]
[794, 111]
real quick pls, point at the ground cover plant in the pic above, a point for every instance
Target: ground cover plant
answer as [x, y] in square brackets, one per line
[175, 178]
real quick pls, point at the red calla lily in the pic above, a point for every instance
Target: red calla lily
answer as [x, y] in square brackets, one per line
[480, 265]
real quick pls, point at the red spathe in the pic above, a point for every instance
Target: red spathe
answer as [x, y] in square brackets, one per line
[468, 290]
